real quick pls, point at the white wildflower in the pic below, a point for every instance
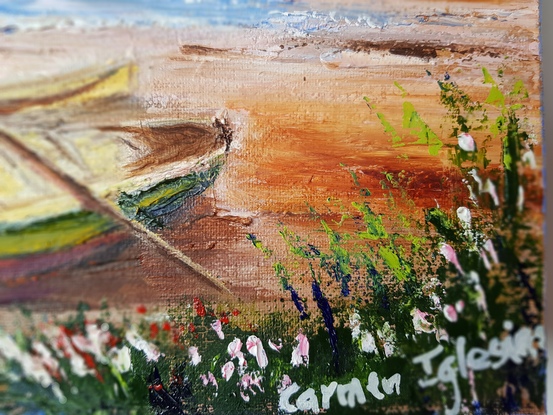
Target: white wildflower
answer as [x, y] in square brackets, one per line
[150, 350]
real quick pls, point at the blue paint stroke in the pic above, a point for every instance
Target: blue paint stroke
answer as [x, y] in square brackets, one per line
[297, 302]
[477, 408]
[277, 14]
[328, 318]
[146, 12]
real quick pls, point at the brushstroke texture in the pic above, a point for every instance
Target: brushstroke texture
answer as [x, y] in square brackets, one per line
[92, 203]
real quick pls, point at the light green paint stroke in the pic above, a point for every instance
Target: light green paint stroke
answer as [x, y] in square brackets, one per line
[293, 243]
[340, 253]
[417, 126]
[507, 158]
[282, 275]
[343, 218]
[416, 241]
[403, 91]
[375, 228]
[392, 260]
[519, 90]
[487, 77]
[496, 97]
[259, 245]
[390, 130]
[499, 126]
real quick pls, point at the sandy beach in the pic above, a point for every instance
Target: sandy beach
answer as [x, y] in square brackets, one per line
[294, 100]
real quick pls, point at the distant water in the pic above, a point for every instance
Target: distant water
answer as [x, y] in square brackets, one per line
[291, 14]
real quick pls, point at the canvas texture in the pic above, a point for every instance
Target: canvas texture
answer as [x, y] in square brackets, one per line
[271, 207]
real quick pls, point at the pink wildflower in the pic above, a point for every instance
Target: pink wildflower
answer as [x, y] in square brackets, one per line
[217, 326]
[206, 380]
[255, 380]
[450, 313]
[246, 383]
[485, 259]
[420, 323]
[255, 347]
[275, 347]
[300, 354]
[466, 142]
[194, 356]
[284, 383]
[460, 306]
[244, 396]
[227, 370]
[449, 254]
[488, 246]
[234, 350]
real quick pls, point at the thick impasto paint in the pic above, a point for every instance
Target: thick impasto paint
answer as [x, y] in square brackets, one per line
[239, 207]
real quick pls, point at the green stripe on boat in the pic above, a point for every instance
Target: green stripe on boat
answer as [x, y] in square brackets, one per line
[51, 234]
[150, 205]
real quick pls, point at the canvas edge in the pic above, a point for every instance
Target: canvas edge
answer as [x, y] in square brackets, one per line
[546, 16]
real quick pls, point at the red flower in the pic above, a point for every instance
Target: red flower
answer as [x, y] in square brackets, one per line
[88, 359]
[113, 341]
[66, 330]
[166, 326]
[199, 307]
[224, 319]
[235, 312]
[191, 328]
[141, 309]
[154, 330]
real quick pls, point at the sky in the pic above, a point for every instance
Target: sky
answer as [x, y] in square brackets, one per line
[181, 12]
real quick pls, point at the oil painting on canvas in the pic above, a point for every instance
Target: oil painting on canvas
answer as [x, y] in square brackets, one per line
[271, 206]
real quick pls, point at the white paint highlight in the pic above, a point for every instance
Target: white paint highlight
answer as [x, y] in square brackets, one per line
[525, 343]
